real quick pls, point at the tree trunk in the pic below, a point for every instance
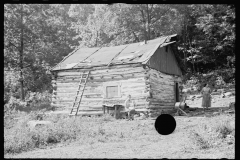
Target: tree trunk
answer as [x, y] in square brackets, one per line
[145, 28]
[97, 39]
[136, 38]
[148, 22]
[21, 57]
[190, 46]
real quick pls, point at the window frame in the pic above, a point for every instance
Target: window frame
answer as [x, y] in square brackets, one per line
[109, 84]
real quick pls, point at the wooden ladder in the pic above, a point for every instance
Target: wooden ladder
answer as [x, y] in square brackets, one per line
[78, 98]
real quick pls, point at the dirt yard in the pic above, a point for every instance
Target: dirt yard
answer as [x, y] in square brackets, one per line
[139, 139]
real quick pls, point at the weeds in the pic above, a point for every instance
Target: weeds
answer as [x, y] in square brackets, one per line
[201, 142]
[20, 138]
[215, 131]
[84, 130]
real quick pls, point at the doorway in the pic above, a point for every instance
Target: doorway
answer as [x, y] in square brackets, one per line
[176, 92]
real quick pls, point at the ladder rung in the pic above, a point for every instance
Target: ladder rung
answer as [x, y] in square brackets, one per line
[76, 102]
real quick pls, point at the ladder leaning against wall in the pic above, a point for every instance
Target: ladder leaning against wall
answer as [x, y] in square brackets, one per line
[81, 86]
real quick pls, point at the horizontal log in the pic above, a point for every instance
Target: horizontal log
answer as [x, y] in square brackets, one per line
[97, 81]
[166, 99]
[135, 81]
[88, 114]
[127, 73]
[129, 86]
[71, 99]
[82, 107]
[103, 77]
[157, 82]
[99, 67]
[83, 99]
[161, 103]
[90, 110]
[83, 104]
[99, 70]
[162, 92]
[154, 100]
[159, 74]
[105, 73]
[87, 110]
[124, 94]
[74, 94]
[160, 107]
[74, 85]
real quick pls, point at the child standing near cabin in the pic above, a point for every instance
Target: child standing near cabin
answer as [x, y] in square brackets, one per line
[130, 107]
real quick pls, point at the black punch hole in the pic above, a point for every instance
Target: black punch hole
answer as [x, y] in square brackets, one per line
[165, 124]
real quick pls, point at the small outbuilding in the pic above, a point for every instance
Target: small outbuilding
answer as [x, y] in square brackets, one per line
[148, 71]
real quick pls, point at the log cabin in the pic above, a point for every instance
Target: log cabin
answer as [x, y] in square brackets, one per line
[148, 71]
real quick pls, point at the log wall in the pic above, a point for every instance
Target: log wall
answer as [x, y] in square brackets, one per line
[130, 77]
[162, 89]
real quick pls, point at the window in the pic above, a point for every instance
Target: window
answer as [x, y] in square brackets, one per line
[112, 90]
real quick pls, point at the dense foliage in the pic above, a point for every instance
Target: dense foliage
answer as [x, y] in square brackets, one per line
[38, 36]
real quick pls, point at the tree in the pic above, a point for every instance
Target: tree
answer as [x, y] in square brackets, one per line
[15, 35]
[46, 39]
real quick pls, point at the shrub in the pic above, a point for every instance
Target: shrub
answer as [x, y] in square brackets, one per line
[224, 128]
[13, 104]
[38, 101]
[200, 141]
[10, 84]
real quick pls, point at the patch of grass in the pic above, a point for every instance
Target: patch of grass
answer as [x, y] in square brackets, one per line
[107, 118]
[20, 137]
[225, 128]
[213, 131]
[200, 141]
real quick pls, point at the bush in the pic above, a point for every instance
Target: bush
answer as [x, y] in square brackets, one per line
[224, 128]
[10, 84]
[200, 141]
[12, 105]
[33, 102]
[38, 101]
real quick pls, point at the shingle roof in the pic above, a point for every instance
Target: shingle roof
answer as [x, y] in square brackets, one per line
[123, 54]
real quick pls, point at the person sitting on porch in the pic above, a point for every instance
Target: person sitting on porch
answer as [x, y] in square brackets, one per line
[130, 107]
